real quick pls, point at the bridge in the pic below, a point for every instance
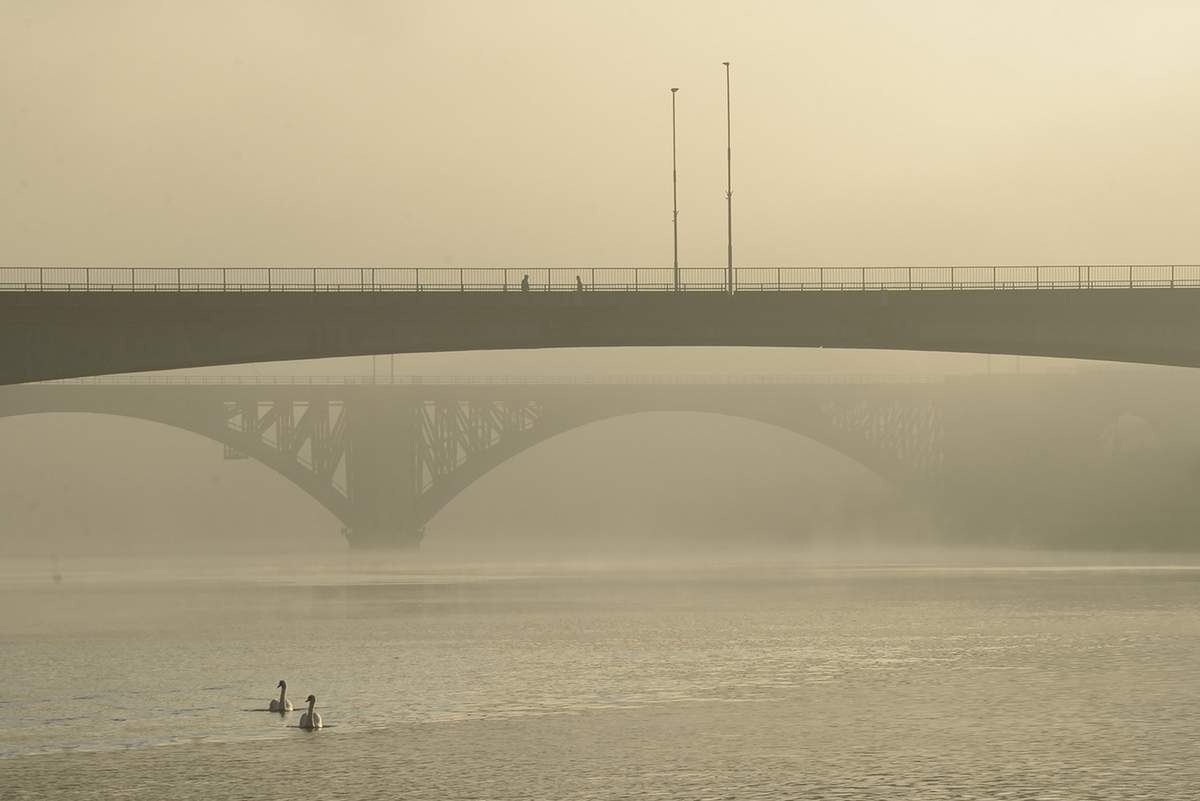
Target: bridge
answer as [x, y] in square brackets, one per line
[58, 323]
[385, 458]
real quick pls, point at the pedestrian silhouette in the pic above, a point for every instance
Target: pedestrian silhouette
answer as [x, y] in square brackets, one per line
[578, 284]
[525, 283]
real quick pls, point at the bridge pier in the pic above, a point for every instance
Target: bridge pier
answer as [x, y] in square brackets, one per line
[381, 477]
[378, 539]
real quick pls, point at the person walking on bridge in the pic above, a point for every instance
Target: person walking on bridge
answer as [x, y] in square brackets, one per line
[578, 284]
[525, 283]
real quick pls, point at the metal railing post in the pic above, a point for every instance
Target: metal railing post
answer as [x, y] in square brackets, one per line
[883, 278]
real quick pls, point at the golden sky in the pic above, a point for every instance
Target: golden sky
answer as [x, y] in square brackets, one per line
[538, 133]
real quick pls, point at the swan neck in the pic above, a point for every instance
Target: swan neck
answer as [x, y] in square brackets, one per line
[282, 694]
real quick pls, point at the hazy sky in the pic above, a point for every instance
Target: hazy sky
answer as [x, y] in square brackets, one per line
[538, 133]
[516, 133]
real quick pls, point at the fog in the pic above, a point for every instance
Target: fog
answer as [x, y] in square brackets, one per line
[654, 483]
[646, 486]
[537, 133]
[948, 576]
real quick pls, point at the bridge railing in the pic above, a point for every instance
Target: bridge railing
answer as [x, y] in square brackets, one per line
[594, 279]
[473, 380]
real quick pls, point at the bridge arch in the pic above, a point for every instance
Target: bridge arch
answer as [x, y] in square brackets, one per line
[385, 460]
[892, 454]
[327, 496]
[818, 435]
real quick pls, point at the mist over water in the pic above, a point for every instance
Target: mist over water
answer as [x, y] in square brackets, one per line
[652, 483]
[798, 678]
[672, 604]
[662, 604]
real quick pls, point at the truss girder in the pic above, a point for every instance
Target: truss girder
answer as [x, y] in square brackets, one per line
[903, 436]
[379, 457]
[452, 441]
[295, 431]
[452, 433]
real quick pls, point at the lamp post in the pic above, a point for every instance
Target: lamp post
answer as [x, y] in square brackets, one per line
[674, 190]
[728, 183]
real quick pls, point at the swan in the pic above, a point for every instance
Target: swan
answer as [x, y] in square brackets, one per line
[311, 720]
[283, 704]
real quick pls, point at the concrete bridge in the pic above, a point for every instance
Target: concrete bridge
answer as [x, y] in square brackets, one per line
[384, 459]
[64, 323]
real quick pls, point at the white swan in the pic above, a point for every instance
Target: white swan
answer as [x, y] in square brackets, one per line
[311, 720]
[283, 704]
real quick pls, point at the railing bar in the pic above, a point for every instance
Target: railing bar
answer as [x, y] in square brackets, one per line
[638, 279]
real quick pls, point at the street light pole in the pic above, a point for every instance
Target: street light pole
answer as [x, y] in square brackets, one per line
[674, 189]
[728, 182]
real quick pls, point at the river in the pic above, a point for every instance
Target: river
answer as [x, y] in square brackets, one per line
[143, 681]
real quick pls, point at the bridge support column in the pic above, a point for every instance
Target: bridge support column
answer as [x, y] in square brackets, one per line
[382, 539]
[381, 479]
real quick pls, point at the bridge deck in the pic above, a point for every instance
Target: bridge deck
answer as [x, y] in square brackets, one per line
[47, 334]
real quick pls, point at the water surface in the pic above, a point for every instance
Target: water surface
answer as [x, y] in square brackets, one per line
[561, 683]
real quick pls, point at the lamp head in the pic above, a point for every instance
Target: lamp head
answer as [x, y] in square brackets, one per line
[674, 89]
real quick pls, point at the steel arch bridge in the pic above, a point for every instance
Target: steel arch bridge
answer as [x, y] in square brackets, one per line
[384, 459]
